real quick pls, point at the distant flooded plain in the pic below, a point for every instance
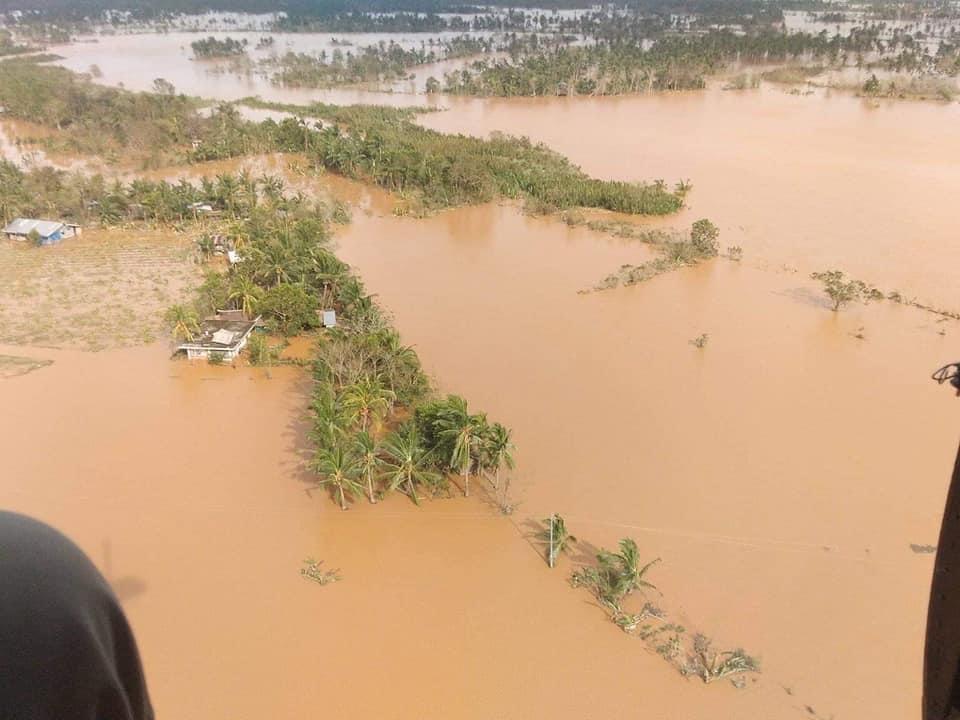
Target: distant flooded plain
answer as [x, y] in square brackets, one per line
[781, 472]
[136, 60]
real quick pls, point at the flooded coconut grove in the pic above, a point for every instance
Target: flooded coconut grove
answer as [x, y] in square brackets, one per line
[782, 472]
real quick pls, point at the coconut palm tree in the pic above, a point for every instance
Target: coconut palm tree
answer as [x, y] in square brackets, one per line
[338, 467]
[245, 293]
[464, 431]
[272, 186]
[408, 462]
[367, 401]
[367, 450]
[184, 322]
[328, 424]
[399, 365]
[618, 574]
[497, 449]
[272, 260]
[228, 190]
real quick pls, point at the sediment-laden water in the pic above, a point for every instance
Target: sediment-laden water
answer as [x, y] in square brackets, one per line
[781, 472]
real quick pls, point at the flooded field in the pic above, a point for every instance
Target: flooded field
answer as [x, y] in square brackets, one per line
[782, 472]
[136, 60]
[777, 471]
[814, 182]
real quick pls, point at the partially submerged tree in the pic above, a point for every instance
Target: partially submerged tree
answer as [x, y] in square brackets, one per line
[368, 459]
[338, 467]
[245, 294]
[842, 290]
[704, 236]
[454, 434]
[616, 575]
[709, 664]
[408, 462]
[367, 402]
[497, 450]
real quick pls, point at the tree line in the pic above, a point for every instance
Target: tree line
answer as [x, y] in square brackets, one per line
[384, 61]
[374, 144]
[672, 62]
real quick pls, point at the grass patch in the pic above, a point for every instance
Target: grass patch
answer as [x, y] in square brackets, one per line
[793, 74]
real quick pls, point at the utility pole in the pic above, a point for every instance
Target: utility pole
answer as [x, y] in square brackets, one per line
[550, 556]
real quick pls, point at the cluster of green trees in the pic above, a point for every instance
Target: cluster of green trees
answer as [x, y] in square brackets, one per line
[375, 144]
[381, 62]
[288, 271]
[436, 170]
[404, 15]
[671, 63]
[915, 53]
[446, 170]
[367, 383]
[46, 192]
[94, 119]
[211, 47]
[8, 46]
[377, 425]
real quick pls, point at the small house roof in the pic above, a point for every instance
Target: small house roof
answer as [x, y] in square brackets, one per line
[220, 333]
[24, 226]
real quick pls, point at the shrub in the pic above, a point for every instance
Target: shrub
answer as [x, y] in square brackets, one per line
[842, 290]
[289, 308]
[704, 237]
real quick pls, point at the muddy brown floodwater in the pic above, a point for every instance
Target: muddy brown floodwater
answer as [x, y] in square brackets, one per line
[781, 472]
[136, 60]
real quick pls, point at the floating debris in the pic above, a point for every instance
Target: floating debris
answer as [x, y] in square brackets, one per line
[313, 570]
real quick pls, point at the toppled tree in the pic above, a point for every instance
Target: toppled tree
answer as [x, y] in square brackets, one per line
[709, 664]
[842, 290]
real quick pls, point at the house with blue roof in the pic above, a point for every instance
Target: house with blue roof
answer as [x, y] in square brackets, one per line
[45, 232]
